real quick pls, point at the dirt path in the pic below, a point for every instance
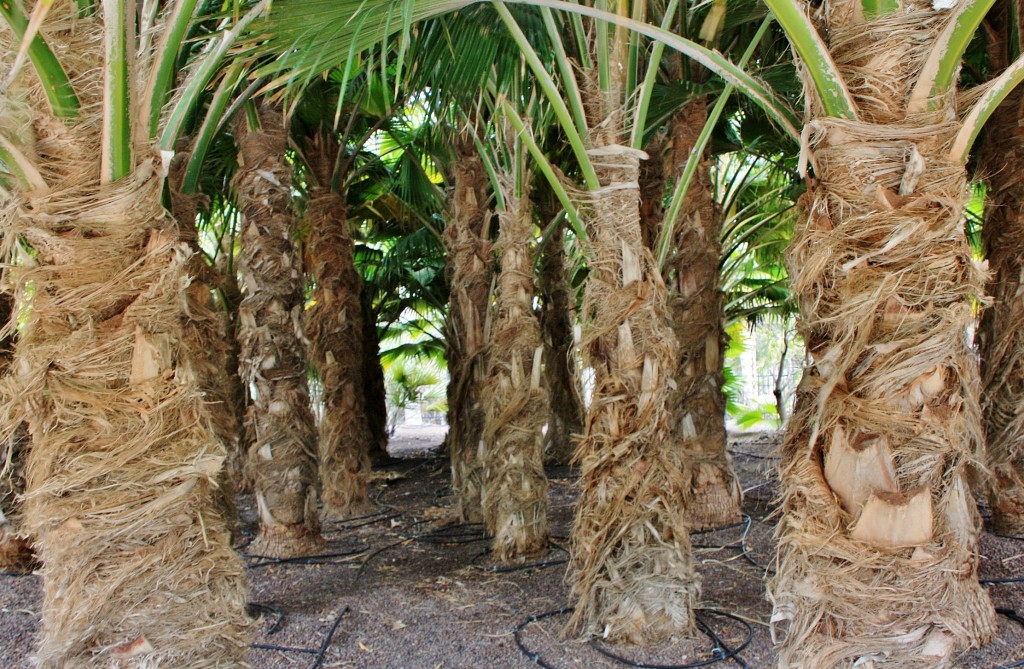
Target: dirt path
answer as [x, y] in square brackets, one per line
[408, 590]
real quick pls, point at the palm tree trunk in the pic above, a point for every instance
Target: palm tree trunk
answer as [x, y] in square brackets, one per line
[470, 268]
[208, 336]
[124, 465]
[878, 540]
[374, 392]
[1001, 333]
[334, 328]
[566, 416]
[283, 457]
[515, 493]
[633, 573]
[697, 403]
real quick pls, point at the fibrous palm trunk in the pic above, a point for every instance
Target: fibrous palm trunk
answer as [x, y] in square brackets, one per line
[470, 268]
[566, 415]
[1001, 332]
[334, 328]
[697, 403]
[515, 492]
[124, 465]
[208, 333]
[878, 540]
[633, 573]
[282, 459]
[374, 393]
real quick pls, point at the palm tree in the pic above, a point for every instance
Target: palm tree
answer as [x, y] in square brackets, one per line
[470, 268]
[556, 323]
[1000, 333]
[633, 569]
[122, 475]
[877, 511]
[282, 458]
[515, 491]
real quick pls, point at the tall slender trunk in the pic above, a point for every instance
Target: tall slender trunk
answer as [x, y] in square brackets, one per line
[1001, 332]
[515, 493]
[334, 328]
[282, 458]
[237, 395]
[470, 268]
[566, 416]
[878, 540]
[124, 465]
[633, 574]
[209, 335]
[697, 403]
[374, 392]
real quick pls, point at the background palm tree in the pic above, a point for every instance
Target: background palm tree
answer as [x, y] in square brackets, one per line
[283, 456]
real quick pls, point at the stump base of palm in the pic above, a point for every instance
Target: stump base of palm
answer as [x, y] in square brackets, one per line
[632, 570]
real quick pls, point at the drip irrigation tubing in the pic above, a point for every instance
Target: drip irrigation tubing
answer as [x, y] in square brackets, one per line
[721, 652]
[1008, 579]
[251, 607]
[317, 558]
[466, 534]
[369, 519]
[507, 569]
[740, 545]
[319, 652]
[1017, 618]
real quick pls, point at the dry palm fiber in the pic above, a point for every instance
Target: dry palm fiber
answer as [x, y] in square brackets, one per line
[282, 459]
[632, 569]
[878, 539]
[123, 469]
[556, 319]
[515, 492]
[696, 402]
[334, 330]
[470, 267]
[1001, 332]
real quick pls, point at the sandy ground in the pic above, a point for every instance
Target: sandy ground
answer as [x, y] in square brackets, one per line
[403, 588]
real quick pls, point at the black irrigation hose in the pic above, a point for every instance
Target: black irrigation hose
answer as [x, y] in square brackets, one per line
[1011, 579]
[251, 607]
[468, 534]
[755, 456]
[373, 519]
[500, 569]
[721, 651]
[741, 545]
[530, 655]
[1017, 618]
[318, 558]
[320, 653]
